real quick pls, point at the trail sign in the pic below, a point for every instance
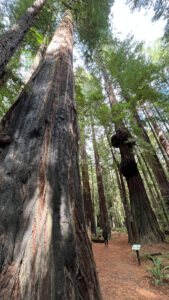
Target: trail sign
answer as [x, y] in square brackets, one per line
[137, 248]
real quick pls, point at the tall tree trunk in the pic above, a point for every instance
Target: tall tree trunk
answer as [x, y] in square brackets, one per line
[154, 163]
[88, 206]
[11, 39]
[145, 227]
[123, 195]
[37, 61]
[162, 118]
[104, 221]
[160, 133]
[92, 188]
[154, 200]
[45, 251]
[160, 201]
[158, 142]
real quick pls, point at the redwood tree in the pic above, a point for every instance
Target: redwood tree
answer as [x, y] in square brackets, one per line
[11, 39]
[88, 205]
[145, 228]
[45, 251]
[104, 221]
[159, 131]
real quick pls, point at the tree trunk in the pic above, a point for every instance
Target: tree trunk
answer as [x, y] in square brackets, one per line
[123, 195]
[160, 133]
[145, 227]
[11, 39]
[162, 118]
[155, 164]
[160, 201]
[92, 188]
[104, 221]
[45, 251]
[37, 61]
[158, 142]
[154, 200]
[88, 206]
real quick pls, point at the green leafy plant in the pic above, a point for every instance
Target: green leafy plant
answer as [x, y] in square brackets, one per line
[158, 271]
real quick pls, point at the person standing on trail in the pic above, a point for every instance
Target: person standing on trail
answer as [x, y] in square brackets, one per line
[105, 236]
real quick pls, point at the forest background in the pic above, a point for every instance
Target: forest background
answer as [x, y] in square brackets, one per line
[121, 97]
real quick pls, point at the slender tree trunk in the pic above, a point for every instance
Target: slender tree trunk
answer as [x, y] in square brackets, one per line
[158, 143]
[37, 62]
[45, 251]
[88, 206]
[11, 39]
[114, 201]
[104, 222]
[123, 195]
[154, 201]
[160, 201]
[160, 133]
[155, 164]
[162, 118]
[93, 188]
[145, 227]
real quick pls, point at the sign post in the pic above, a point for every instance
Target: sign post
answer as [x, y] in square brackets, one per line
[137, 248]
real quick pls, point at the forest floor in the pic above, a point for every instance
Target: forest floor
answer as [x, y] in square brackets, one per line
[120, 276]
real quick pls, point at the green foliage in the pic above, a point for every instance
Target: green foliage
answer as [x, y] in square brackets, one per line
[92, 22]
[158, 271]
[88, 93]
[91, 18]
[132, 71]
[98, 231]
[104, 116]
[123, 229]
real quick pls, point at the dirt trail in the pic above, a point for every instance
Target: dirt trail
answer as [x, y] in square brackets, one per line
[120, 276]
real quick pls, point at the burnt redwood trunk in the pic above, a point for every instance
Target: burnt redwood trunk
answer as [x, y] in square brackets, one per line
[11, 39]
[45, 252]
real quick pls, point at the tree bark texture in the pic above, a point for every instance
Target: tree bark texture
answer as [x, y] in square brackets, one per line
[104, 222]
[162, 118]
[123, 195]
[145, 229]
[45, 252]
[154, 163]
[160, 133]
[11, 39]
[153, 199]
[164, 154]
[88, 205]
[157, 193]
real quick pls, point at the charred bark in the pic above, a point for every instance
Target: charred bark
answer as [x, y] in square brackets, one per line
[10, 40]
[88, 205]
[45, 251]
